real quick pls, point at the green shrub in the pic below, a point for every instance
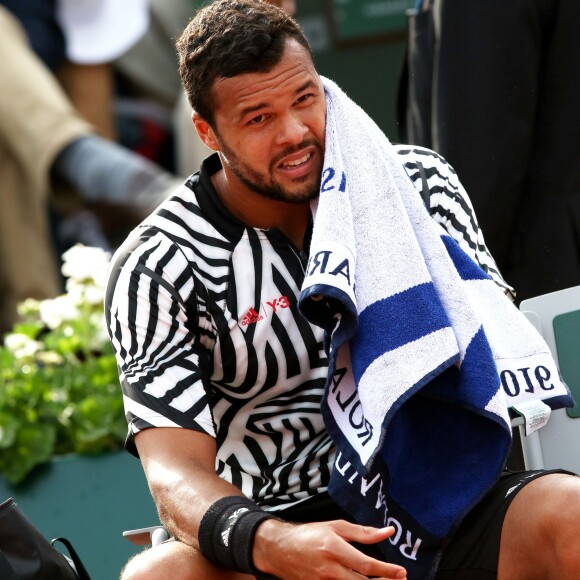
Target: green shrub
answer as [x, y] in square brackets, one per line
[59, 387]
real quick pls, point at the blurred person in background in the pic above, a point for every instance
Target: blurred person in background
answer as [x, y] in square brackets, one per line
[53, 161]
[494, 87]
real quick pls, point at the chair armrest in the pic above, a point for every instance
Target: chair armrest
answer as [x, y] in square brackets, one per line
[153, 535]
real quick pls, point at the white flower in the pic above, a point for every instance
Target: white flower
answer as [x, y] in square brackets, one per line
[50, 358]
[94, 294]
[100, 274]
[29, 306]
[21, 346]
[55, 311]
[101, 331]
[75, 290]
[86, 263]
[15, 340]
[84, 292]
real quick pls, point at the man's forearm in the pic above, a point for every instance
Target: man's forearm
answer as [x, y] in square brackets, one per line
[182, 501]
[180, 469]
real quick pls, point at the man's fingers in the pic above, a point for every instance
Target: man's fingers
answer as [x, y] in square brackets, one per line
[362, 534]
[360, 563]
[374, 535]
[367, 566]
[372, 568]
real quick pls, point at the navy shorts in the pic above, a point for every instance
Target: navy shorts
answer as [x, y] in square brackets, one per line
[473, 551]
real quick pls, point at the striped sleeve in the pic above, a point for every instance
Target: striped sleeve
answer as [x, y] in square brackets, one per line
[151, 312]
[451, 207]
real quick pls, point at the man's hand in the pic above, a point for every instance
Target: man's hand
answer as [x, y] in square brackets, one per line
[320, 550]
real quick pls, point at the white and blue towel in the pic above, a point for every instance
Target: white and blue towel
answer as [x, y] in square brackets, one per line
[426, 353]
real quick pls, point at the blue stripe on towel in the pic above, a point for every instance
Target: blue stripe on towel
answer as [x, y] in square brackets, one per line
[478, 381]
[395, 321]
[465, 266]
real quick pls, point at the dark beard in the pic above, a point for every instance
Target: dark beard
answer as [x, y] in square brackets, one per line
[270, 190]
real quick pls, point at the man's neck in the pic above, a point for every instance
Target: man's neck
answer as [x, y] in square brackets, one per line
[259, 212]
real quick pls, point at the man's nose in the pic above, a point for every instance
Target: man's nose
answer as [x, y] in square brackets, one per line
[292, 129]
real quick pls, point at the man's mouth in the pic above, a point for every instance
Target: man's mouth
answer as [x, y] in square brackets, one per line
[297, 162]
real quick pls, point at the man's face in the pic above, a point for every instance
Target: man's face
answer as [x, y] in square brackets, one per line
[269, 128]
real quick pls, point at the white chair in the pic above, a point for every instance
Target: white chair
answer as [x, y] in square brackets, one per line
[153, 535]
[557, 317]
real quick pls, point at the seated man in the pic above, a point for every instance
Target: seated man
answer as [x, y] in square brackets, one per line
[223, 377]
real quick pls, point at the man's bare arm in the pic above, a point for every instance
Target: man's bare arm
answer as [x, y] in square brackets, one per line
[180, 469]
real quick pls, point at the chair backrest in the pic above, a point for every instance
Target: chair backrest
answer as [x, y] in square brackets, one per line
[557, 317]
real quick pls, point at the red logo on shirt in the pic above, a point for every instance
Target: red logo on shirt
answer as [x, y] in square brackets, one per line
[252, 316]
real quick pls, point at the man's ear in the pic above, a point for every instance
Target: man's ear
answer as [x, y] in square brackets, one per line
[205, 132]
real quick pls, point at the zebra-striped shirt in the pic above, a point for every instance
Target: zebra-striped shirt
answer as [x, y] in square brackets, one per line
[203, 318]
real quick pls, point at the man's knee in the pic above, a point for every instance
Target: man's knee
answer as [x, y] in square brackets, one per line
[540, 536]
[175, 561]
[554, 525]
[561, 518]
[136, 568]
[171, 560]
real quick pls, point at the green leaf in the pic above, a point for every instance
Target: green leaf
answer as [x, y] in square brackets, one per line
[8, 430]
[62, 399]
[29, 328]
[33, 446]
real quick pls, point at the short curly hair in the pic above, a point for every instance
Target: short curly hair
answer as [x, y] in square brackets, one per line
[228, 38]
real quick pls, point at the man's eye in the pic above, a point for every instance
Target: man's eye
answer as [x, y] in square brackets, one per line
[257, 120]
[303, 98]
